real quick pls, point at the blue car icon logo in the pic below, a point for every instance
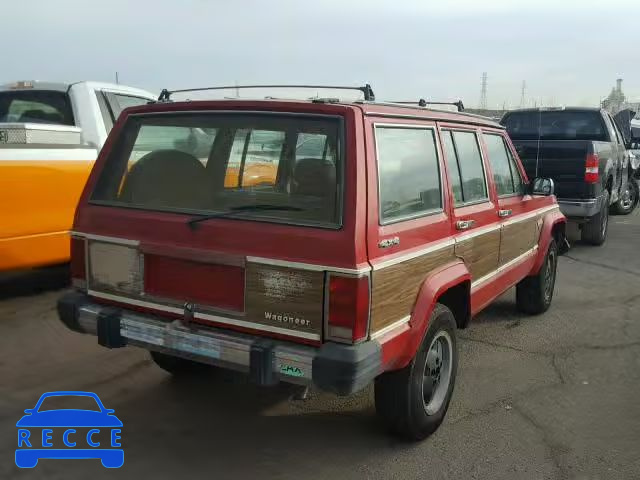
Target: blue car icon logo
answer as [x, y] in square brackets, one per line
[80, 433]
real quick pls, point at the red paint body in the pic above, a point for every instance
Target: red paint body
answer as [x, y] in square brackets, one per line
[353, 246]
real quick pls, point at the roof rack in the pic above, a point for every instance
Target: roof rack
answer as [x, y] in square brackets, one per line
[367, 91]
[423, 103]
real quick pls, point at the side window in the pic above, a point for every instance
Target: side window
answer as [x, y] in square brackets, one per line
[105, 111]
[408, 172]
[255, 156]
[193, 141]
[518, 182]
[314, 145]
[118, 102]
[501, 164]
[619, 135]
[610, 127]
[472, 175]
[126, 101]
[454, 168]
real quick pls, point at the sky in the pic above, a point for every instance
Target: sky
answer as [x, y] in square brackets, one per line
[567, 52]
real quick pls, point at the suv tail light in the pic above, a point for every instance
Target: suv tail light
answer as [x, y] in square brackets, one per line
[78, 265]
[592, 167]
[348, 308]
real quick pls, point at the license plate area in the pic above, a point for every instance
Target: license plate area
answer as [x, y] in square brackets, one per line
[114, 267]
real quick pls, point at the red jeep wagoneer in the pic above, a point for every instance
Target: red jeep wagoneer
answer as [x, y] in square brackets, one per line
[382, 229]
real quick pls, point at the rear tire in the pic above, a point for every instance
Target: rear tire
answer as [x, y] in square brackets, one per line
[179, 367]
[534, 294]
[413, 401]
[595, 231]
[628, 199]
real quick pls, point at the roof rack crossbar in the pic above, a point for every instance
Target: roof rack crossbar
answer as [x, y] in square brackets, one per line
[423, 103]
[366, 90]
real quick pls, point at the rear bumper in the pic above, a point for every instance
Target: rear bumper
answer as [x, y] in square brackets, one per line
[580, 209]
[341, 369]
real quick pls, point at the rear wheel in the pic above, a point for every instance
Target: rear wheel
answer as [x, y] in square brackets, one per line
[534, 294]
[413, 401]
[595, 230]
[628, 198]
[179, 367]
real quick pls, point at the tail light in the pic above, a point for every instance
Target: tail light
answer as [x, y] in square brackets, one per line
[348, 308]
[592, 167]
[78, 264]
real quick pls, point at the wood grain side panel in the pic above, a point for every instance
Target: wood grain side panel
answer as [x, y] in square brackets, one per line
[284, 297]
[538, 227]
[394, 289]
[517, 238]
[480, 253]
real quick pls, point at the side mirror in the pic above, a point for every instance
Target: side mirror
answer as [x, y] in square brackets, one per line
[543, 186]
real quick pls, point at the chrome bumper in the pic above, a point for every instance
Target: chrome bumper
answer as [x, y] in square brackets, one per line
[580, 208]
[342, 369]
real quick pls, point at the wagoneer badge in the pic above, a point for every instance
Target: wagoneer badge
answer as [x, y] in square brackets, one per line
[389, 242]
[287, 318]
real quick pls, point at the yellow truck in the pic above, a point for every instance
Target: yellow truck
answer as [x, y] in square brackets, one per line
[50, 135]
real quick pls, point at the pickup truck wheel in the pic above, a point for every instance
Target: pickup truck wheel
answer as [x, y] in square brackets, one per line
[413, 401]
[534, 293]
[628, 199]
[179, 367]
[595, 230]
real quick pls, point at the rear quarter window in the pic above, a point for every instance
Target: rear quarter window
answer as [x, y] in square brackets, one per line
[408, 172]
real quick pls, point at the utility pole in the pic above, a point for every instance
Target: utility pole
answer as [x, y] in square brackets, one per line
[483, 92]
[117, 79]
[522, 94]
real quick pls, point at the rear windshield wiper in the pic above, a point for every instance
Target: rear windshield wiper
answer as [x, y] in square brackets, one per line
[244, 208]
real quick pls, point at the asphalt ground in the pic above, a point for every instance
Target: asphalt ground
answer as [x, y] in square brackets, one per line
[552, 396]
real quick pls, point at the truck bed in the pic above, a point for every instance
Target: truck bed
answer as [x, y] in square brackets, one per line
[564, 161]
[39, 189]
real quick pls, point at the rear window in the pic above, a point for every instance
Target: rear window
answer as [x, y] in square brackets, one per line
[35, 106]
[556, 125]
[267, 167]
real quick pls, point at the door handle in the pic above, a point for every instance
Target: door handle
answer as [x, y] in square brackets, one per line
[504, 213]
[464, 224]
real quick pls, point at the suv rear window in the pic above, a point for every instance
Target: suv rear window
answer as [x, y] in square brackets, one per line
[268, 167]
[556, 125]
[35, 106]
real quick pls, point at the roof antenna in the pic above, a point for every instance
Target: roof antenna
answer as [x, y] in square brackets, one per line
[539, 135]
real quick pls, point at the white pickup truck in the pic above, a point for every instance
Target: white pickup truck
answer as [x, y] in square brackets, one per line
[50, 135]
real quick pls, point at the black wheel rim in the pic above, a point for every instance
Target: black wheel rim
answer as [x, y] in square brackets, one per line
[550, 275]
